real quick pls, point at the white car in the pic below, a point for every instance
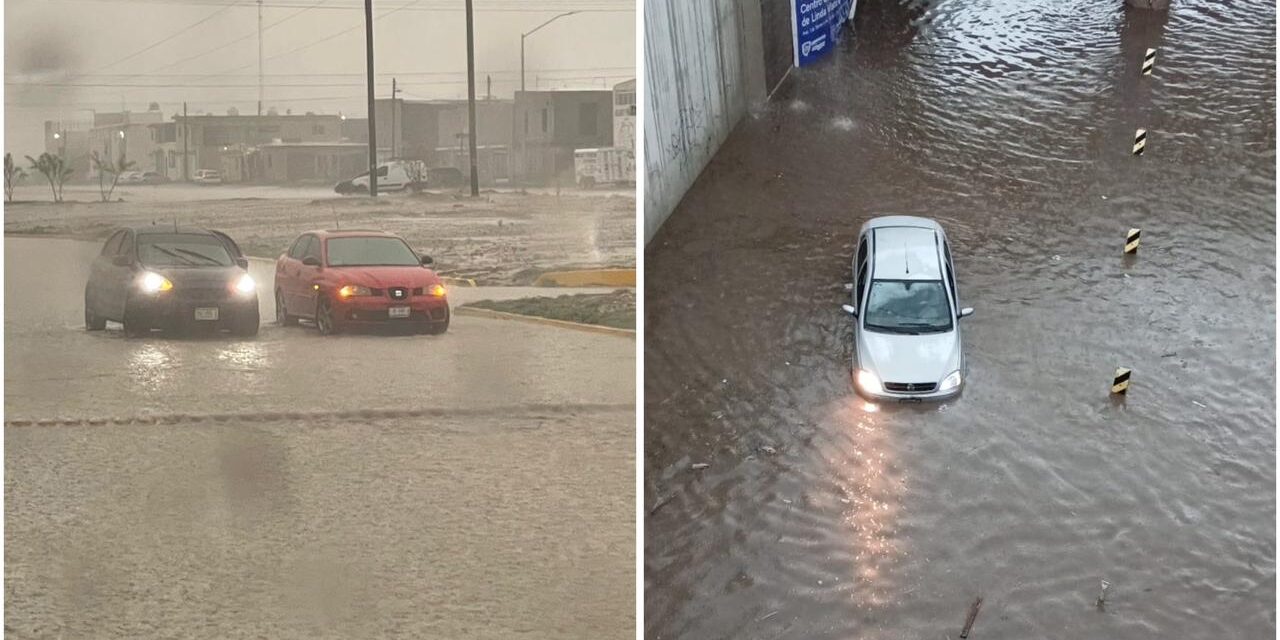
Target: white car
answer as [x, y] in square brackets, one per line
[207, 176]
[131, 177]
[906, 312]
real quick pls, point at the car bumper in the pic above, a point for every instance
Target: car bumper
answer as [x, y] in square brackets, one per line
[169, 312]
[892, 396]
[377, 311]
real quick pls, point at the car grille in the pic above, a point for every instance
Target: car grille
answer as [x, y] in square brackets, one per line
[910, 387]
[202, 294]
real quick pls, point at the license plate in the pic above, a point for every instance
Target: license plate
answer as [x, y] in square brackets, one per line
[398, 312]
[207, 313]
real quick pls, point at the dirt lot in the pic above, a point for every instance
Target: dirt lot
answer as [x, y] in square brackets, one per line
[506, 238]
[617, 309]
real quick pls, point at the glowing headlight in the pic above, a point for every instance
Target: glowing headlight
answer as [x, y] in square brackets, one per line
[950, 382]
[354, 290]
[245, 285]
[436, 290]
[868, 382]
[154, 283]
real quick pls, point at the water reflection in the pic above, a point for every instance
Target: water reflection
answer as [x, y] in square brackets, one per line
[870, 495]
[151, 365]
[246, 356]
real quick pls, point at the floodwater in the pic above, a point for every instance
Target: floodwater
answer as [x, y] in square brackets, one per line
[476, 484]
[1011, 123]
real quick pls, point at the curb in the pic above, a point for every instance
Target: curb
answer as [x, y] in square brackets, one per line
[588, 278]
[563, 324]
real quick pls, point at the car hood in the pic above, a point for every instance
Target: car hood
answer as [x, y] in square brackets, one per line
[199, 276]
[905, 358]
[383, 277]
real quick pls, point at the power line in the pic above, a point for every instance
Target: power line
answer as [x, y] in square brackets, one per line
[170, 37]
[240, 39]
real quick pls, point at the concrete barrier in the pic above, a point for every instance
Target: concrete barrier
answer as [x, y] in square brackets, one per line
[588, 278]
[563, 324]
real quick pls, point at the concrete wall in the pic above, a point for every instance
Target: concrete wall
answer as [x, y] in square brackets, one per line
[704, 66]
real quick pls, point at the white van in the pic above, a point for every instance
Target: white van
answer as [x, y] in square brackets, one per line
[396, 175]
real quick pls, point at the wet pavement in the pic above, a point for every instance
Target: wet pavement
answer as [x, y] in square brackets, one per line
[474, 484]
[820, 516]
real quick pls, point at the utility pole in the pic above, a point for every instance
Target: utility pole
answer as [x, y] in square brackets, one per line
[395, 133]
[259, 57]
[186, 136]
[471, 97]
[373, 130]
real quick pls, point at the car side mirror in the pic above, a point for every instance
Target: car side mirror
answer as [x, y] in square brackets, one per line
[122, 261]
[966, 312]
[849, 309]
[428, 261]
[311, 261]
[243, 263]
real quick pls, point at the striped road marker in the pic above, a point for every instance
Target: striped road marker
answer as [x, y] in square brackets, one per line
[1139, 142]
[1149, 62]
[1121, 383]
[1131, 240]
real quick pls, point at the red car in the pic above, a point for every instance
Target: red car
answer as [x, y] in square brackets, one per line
[348, 279]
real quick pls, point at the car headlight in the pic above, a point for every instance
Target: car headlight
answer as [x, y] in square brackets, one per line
[436, 290]
[869, 382]
[950, 382]
[154, 283]
[354, 290]
[245, 285]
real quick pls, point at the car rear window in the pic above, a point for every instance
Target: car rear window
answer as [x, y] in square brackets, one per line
[370, 251]
[182, 250]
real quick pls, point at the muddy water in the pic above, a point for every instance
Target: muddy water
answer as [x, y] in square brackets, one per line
[1010, 123]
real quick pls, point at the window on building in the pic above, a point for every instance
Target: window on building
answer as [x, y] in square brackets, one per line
[544, 120]
[588, 118]
[173, 159]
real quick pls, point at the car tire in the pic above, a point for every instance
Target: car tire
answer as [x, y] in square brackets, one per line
[324, 318]
[91, 320]
[246, 326]
[134, 326]
[435, 328]
[282, 313]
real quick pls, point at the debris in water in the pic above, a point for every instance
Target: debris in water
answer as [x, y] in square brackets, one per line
[699, 466]
[767, 616]
[1199, 405]
[769, 450]
[1102, 595]
[1169, 355]
[973, 616]
[1057, 258]
[661, 503]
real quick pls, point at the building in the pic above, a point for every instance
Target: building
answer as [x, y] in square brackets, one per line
[70, 140]
[311, 162]
[550, 125]
[207, 139]
[624, 116]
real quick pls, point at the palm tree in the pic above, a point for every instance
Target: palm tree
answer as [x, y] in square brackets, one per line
[114, 169]
[54, 169]
[13, 174]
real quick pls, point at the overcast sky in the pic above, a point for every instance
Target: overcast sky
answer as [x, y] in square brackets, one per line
[65, 58]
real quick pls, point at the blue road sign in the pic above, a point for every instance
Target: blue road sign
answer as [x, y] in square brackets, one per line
[815, 27]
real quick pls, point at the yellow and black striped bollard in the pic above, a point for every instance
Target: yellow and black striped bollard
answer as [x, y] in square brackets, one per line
[1131, 240]
[1139, 142]
[1121, 382]
[1149, 62]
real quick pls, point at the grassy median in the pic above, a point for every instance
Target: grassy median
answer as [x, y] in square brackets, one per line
[617, 309]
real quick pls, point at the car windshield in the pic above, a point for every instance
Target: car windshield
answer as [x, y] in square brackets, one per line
[182, 250]
[908, 306]
[370, 251]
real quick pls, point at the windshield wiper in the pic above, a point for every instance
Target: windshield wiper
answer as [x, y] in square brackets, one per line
[887, 329]
[200, 255]
[168, 252]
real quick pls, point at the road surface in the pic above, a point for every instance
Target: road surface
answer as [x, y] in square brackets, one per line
[475, 484]
[1011, 124]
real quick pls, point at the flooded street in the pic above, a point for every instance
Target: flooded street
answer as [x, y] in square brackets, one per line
[1010, 123]
[473, 484]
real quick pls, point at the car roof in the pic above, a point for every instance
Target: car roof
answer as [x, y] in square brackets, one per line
[353, 233]
[906, 253]
[152, 229]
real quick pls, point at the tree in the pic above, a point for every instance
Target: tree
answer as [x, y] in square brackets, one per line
[13, 174]
[54, 169]
[114, 169]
